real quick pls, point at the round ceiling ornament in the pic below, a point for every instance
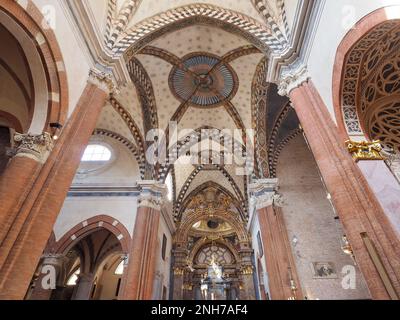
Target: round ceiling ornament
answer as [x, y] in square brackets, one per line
[203, 80]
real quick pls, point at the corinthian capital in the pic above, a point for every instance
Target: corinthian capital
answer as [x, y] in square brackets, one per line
[152, 194]
[36, 147]
[103, 80]
[263, 193]
[293, 78]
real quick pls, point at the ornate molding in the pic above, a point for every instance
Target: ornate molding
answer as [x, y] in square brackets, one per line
[365, 150]
[152, 195]
[247, 270]
[36, 147]
[263, 193]
[293, 79]
[179, 271]
[103, 80]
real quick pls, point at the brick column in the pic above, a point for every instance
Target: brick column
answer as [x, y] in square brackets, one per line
[282, 273]
[374, 242]
[33, 219]
[20, 176]
[140, 274]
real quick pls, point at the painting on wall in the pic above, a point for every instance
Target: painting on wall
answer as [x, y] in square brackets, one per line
[324, 270]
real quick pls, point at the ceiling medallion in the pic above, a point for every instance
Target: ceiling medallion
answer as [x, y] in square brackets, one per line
[203, 80]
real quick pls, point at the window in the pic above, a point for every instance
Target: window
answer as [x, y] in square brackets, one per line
[120, 269]
[164, 247]
[169, 183]
[96, 152]
[74, 278]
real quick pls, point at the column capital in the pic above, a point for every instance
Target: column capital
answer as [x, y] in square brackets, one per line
[152, 194]
[293, 78]
[33, 146]
[53, 259]
[263, 193]
[102, 80]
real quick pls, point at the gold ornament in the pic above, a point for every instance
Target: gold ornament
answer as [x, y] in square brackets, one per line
[365, 150]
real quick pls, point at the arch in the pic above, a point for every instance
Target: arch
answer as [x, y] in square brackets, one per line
[235, 220]
[346, 115]
[201, 244]
[191, 139]
[257, 34]
[51, 105]
[84, 228]
[193, 175]
[11, 121]
[139, 156]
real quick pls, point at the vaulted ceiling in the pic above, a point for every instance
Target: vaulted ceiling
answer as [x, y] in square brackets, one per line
[200, 74]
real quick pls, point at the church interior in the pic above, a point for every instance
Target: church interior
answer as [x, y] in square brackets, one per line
[199, 150]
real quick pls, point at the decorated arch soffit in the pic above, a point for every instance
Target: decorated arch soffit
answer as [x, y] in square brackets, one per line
[370, 88]
[210, 201]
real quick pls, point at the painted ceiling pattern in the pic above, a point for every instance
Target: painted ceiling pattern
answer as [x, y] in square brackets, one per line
[195, 63]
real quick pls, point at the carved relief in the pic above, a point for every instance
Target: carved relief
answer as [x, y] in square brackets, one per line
[362, 80]
[36, 147]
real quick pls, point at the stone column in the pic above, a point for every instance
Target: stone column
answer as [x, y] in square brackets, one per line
[144, 249]
[31, 153]
[84, 287]
[35, 212]
[247, 290]
[180, 263]
[278, 255]
[374, 242]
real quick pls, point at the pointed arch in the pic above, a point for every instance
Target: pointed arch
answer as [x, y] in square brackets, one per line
[262, 36]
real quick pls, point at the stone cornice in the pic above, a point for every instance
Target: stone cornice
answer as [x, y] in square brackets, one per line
[288, 68]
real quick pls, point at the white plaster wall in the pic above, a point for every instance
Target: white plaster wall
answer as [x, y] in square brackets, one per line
[310, 218]
[79, 209]
[257, 250]
[76, 60]
[123, 170]
[99, 11]
[163, 266]
[338, 17]
[291, 7]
